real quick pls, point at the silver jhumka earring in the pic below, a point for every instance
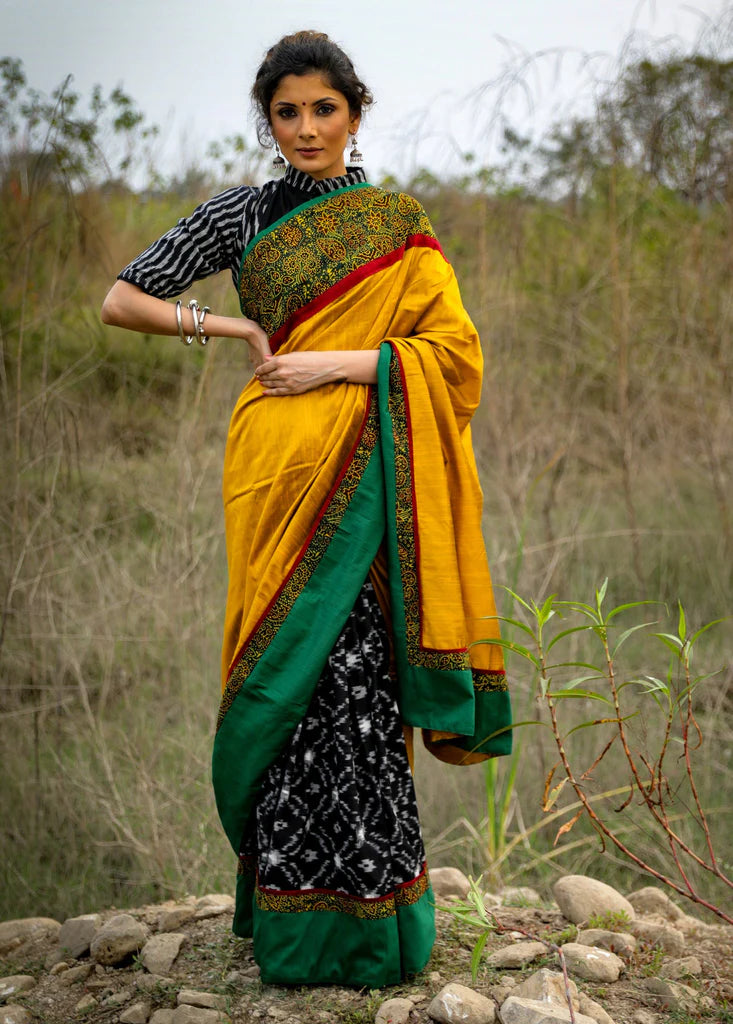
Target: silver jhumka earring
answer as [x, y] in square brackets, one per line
[278, 164]
[355, 156]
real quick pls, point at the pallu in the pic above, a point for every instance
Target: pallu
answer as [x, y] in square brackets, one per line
[331, 496]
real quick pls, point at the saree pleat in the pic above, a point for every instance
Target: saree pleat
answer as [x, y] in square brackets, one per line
[320, 490]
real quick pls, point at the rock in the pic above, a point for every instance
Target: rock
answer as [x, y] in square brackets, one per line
[457, 1003]
[76, 934]
[620, 943]
[196, 1015]
[394, 1011]
[642, 1016]
[14, 984]
[692, 927]
[74, 974]
[138, 1013]
[117, 939]
[674, 995]
[162, 1017]
[491, 901]
[58, 968]
[516, 1010]
[434, 978]
[235, 978]
[593, 1009]
[591, 962]
[207, 1000]
[124, 995]
[213, 905]
[686, 967]
[546, 986]
[215, 899]
[13, 1014]
[85, 1004]
[651, 900]
[520, 896]
[449, 882]
[53, 957]
[580, 897]
[517, 955]
[171, 920]
[14, 933]
[659, 933]
[150, 982]
[159, 952]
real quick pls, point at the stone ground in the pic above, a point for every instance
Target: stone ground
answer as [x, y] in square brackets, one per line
[212, 960]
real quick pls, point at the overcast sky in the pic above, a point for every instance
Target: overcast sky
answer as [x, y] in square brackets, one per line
[189, 64]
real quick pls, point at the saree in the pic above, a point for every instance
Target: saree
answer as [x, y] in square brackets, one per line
[325, 490]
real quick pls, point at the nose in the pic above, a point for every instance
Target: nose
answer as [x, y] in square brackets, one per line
[307, 125]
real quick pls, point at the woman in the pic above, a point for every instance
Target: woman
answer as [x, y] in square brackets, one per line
[357, 572]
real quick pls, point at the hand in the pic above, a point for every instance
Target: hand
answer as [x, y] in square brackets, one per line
[297, 372]
[259, 346]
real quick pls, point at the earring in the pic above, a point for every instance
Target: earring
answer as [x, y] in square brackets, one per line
[355, 156]
[278, 164]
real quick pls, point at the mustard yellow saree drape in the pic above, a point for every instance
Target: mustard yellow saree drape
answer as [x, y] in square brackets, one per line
[321, 489]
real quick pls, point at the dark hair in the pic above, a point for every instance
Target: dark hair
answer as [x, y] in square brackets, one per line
[300, 54]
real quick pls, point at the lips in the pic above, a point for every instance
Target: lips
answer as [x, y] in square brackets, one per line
[308, 152]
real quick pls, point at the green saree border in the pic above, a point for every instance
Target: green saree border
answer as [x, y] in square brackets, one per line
[317, 947]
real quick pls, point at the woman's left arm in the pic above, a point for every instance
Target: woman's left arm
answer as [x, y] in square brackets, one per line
[297, 372]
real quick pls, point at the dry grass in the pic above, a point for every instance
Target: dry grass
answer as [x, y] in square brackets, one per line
[604, 445]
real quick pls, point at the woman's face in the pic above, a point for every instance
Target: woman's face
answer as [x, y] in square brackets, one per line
[310, 122]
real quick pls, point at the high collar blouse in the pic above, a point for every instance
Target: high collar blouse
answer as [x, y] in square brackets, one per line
[216, 234]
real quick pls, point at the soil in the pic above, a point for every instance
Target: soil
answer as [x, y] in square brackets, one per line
[213, 960]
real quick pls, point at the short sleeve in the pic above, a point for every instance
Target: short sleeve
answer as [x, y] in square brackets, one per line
[207, 241]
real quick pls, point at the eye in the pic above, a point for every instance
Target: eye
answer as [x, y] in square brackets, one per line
[326, 108]
[285, 113]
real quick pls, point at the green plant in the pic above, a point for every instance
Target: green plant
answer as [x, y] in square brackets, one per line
[653, 965]
[568, 934]
[611, 920]
[473, 911]
[660, 782]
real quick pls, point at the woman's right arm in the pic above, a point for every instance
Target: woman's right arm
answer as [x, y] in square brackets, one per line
[128, 306]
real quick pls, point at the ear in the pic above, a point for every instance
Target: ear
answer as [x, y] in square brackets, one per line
[354, 122]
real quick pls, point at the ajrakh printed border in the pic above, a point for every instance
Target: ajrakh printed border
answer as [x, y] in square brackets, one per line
[485, 681]
[321, 245]
[298, 902]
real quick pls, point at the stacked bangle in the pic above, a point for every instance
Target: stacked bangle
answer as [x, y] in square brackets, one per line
[199, 315]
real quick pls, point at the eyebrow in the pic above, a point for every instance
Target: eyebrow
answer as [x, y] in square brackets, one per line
[292, 103]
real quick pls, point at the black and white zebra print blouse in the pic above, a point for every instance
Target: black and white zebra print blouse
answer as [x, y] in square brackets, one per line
[216, 234]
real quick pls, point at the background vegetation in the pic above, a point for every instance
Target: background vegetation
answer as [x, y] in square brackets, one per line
[598, 270]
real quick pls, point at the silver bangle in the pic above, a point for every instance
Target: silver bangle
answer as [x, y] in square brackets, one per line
[198, 315]
[194, 308]
[201, 337]
[179, 321]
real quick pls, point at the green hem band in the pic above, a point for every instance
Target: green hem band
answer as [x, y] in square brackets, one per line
[327, 948]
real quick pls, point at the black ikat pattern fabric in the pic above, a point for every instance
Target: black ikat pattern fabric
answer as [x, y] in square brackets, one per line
[337, 809]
